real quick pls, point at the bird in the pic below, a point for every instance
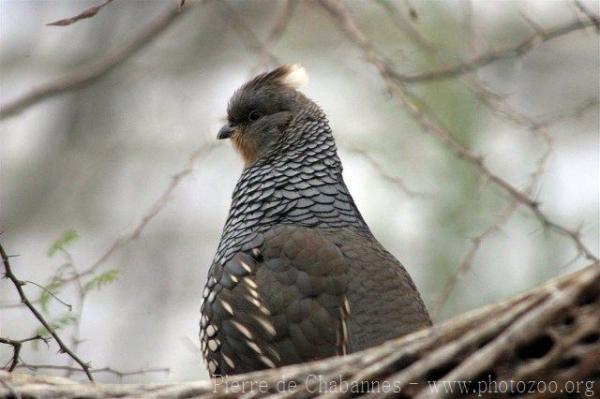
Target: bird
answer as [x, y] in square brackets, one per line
[297, 275]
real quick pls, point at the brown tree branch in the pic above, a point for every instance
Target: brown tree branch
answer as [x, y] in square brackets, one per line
[19, 286]
[395, 180]
[246, 35]
[17, 344]
[285, 13]
[576, 112]
[537, 128]
[89, 13]
[595, 19]
[253, 44]
[97, 69]
[404, 25]
[477, 242]
[504, 110]
[154, 210]
[517, 50]
[465, 266]
[421, 114]
[147, 217]
[108, 370]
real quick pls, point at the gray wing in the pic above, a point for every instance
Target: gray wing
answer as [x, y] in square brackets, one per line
[282, 301]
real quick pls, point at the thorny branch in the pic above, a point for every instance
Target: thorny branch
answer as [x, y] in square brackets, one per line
[89, 73]
[476, 242]
[246, 34]
[467, 262]
[576, 112]
[420, 113]
[89, 13]
[17, 344]
[266, 53]
[154, 210]
[395, 180]
[285, 13]
[595, 19]
[502, 109]
[148, 216]
[144, 36]
[493, 102]
[75, 338]
[19, 286]
[108, 370]
[531, 42]
[537, 127]
[404, 25]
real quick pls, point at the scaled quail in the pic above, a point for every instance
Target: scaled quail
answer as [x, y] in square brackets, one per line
[297, 276]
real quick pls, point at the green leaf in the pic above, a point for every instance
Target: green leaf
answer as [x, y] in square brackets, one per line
[101, 280]
[67, 238]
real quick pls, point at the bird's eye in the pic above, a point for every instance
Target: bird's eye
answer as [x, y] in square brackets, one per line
[254, 116]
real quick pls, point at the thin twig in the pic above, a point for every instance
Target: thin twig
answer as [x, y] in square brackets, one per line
[17, 344]
[277, 30]
[90, 73]
[148, 216]
[89, 13]
[467, 262]
[19, 286]
[480, 61]
[421, 114]
[404, 25]
[595, 19]
[110, 370]
[67, 305]
[395, 180]
[285, 13]
[577, 111]
[477, 242]
[154, 210]
[246, 34]
[511, 208]
[497, 104]
[540, 129]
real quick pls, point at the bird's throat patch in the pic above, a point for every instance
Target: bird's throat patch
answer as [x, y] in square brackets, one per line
[246, 146]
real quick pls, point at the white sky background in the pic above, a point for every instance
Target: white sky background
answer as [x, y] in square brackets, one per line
[96, 160]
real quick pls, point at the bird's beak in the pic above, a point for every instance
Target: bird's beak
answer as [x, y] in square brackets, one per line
[225, 132]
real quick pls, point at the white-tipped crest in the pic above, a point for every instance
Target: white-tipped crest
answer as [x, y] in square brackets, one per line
[296, 77]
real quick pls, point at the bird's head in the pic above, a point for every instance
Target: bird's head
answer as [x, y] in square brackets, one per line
[260, 111]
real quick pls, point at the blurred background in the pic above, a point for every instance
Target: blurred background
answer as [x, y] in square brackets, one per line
[92, 169]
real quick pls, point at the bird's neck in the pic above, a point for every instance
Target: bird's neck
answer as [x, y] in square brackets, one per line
[303, 187]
